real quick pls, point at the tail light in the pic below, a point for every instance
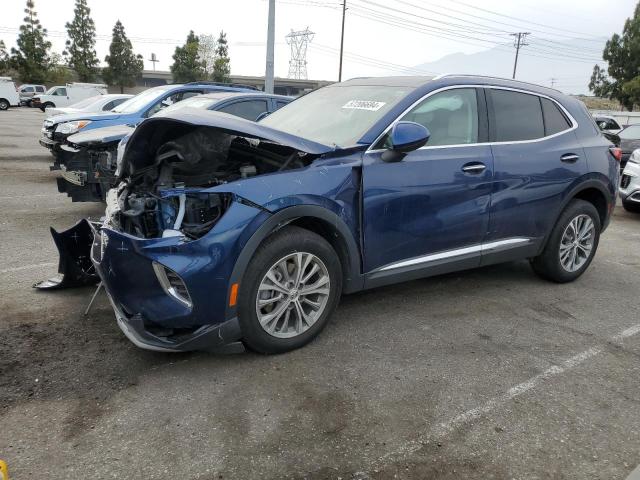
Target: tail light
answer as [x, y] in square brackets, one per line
[616, 152]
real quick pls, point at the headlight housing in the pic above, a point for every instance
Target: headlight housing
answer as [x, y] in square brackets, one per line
[635, 157]
[68, 128]
[120, 155]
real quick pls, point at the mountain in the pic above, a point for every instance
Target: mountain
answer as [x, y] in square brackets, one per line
[570, 64]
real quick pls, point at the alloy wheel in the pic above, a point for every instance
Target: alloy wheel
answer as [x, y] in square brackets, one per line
[292, 295]
[577, 243]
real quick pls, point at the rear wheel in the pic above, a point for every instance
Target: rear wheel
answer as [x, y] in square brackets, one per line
[4, 104]
[572, 244]
[289, 291]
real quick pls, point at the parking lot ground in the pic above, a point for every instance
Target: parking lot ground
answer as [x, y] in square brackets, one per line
[491, 373]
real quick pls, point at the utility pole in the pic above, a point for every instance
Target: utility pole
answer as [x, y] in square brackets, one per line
[344, 11]
[518, 42]
[271, 39]
[154, 60]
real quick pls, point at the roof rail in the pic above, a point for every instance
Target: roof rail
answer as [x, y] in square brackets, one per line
[222, 84]
[496, 78]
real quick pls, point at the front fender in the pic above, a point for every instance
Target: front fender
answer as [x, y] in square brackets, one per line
[264, 225]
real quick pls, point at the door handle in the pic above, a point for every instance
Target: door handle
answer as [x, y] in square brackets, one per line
[569, 158]
[474, 167]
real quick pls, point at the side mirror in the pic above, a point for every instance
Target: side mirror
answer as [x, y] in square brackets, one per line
[405, 137]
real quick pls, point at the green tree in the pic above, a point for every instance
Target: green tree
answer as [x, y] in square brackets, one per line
[4, 58]
[59, 73]
[187, 65]
[31, 59]
[221, 65]
[631, 90]
[80, 47]
[123, 66]
[622, 53]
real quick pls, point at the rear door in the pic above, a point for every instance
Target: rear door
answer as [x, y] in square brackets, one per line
[537, 158]
[431, 208]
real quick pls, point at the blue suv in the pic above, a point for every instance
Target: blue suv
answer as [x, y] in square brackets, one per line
[223, 230]
[57, 128]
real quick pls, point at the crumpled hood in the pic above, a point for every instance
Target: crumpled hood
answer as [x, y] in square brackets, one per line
[72, 117]
[114, 133]
[151, 133]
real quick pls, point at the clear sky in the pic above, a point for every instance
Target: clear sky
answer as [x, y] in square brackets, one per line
[382, 36]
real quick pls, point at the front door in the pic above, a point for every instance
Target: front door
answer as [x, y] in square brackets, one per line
[431, 208]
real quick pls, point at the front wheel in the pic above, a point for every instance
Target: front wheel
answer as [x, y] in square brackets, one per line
[47, 105]
[572, 244]
[290, 289]
[4, 104]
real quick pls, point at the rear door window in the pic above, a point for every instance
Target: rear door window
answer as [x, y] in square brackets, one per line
[554, 120]
[247, 109]
[516, 116]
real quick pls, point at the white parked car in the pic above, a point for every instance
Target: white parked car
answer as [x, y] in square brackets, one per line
[630, 183]
[67, 95]
[9, 96]
[99, 103]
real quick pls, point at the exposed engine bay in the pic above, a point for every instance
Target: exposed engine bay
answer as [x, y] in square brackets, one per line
[161, 190]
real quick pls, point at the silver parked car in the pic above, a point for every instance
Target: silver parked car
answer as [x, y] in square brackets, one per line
[630, 183]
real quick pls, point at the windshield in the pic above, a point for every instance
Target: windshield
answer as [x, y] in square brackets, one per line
[140, 101]
[51, 90]
[337, 115]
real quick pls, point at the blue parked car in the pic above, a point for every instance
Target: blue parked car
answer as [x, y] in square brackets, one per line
[56, 129]
[224, 230]
[91, 156]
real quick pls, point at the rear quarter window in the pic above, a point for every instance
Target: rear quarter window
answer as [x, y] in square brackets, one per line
[555, 121]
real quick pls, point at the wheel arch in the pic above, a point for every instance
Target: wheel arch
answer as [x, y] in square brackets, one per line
[593, 191]
[315, 219]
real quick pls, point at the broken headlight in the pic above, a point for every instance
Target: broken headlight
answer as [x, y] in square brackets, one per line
[67, 128]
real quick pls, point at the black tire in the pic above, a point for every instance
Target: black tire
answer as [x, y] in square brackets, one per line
[548, 264]
[632, 207]
[4, 104]
[286, 241]
[47, 105]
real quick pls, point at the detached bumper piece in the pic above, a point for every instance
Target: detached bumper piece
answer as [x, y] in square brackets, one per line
[75, 268]
[219, 338]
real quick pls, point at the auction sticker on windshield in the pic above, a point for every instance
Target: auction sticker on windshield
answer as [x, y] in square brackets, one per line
[364, 105]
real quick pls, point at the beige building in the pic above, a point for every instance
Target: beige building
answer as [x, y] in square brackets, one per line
[282, 86]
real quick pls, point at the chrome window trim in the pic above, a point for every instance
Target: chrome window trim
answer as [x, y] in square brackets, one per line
[574, 123]
[498, 245]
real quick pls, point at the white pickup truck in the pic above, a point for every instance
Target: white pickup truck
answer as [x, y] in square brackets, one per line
[63, 96]
[9, 96]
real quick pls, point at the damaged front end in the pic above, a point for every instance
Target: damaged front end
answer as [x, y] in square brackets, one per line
[89, 166]
[166, 247]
